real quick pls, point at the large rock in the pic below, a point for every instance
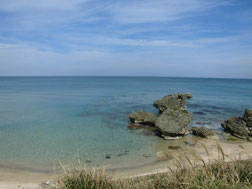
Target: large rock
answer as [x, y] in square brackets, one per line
[174, 101]
[202, 132]
[174, 122]
[236, 126]
[247, 117]
[143, 118]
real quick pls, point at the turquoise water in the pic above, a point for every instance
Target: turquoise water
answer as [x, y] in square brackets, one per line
[43, 119]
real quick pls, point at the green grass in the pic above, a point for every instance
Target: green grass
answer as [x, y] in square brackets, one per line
[218, 175]
[231, 138]
[81, 179]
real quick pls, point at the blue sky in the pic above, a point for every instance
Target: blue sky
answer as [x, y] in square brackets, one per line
[176, 38]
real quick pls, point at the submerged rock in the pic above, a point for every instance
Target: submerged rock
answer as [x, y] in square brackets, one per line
[174, 101]
[202, 132]
[143, 118]
[108, 156]
[123, 154]
[135, 126]
[88, 161]
[236, 127]
[174, 122]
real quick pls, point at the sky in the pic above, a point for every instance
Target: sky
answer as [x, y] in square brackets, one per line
[174, 38]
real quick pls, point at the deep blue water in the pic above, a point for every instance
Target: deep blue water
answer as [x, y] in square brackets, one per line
[53, 118]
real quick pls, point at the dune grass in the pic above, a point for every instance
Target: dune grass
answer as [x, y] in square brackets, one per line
[212, 175]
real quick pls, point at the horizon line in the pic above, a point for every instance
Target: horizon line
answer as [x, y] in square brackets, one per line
[124, 76]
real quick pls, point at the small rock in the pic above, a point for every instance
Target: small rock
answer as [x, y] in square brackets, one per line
[88, 161]
[189, 144]
[202, 132]
[143, 118]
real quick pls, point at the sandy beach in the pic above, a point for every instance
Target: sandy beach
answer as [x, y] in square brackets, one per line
[165, 159]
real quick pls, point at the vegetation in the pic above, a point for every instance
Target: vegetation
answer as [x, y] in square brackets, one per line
[212, 175]
[174, 147]
[231, 138]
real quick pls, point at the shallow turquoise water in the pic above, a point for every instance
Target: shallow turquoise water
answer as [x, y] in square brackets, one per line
[43, 119]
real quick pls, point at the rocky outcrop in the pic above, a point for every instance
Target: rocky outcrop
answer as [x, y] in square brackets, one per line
[174, 101]
[236, 126]
[239, 126]
[173, 119]
[173, 122]
[143, 118]
[202, 132]
[247, 117]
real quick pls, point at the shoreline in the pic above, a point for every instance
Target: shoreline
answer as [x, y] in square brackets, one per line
[233, 151]
[165, 159]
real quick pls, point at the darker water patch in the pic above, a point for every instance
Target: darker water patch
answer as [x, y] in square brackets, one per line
[194, 106]
[211, 111]
[199, 113]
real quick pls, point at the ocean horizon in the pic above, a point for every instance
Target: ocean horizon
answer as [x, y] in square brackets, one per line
[9, 76]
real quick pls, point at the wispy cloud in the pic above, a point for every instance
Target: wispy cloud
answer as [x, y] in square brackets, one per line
[39, 5]
[159, 10]
[83, 36]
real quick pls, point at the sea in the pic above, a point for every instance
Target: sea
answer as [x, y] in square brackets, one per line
[50, 119]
